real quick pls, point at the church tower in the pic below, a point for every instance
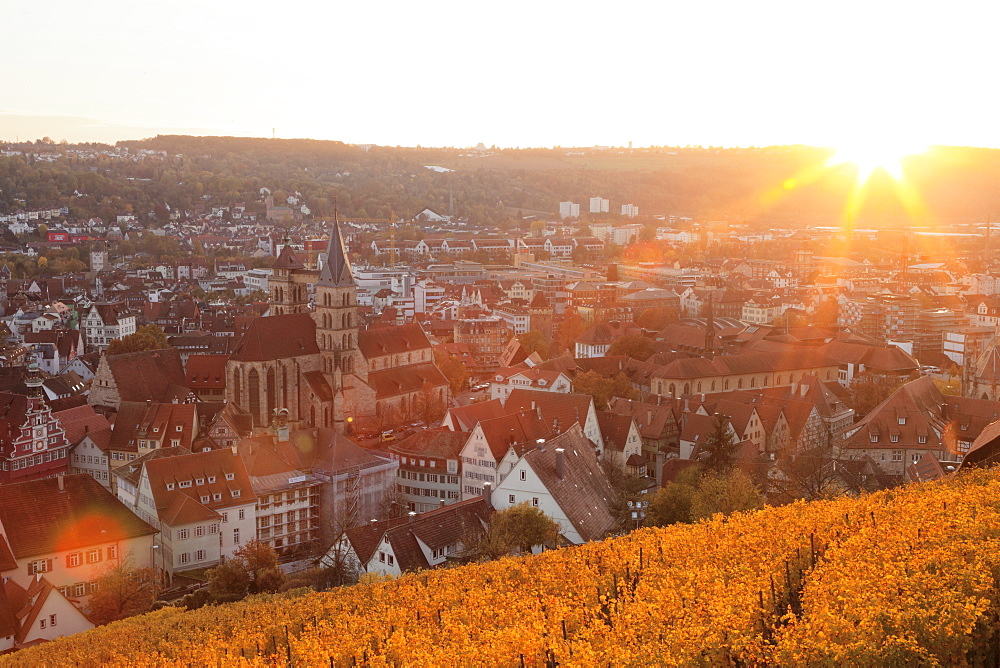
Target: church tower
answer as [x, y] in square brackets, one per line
[287, 294]
[336, 312]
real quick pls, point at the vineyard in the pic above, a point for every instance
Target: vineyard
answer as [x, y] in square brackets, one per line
[904, 577]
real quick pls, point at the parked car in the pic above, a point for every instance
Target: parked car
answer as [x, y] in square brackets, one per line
[388, 435]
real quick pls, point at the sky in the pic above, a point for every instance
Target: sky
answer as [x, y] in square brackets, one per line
[541, 73]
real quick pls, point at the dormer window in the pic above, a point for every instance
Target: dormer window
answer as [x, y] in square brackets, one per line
[211, 479]
[184, 483]
[170, 486]
[873, 438]
[235, 493]
[199, 481]
[217, 497]
[230, 476]
[178, 428]
[204, 498]
[902, 419]
[921, 439]
[894, 438]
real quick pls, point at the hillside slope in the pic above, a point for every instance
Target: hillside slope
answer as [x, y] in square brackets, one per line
[902, 577]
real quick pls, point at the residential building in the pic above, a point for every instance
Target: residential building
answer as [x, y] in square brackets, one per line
[104, 323]
[33, 443]
[430, 471]
[599, 205]
[35, 612]
[569, 210]
[563, 478]
[68, 528]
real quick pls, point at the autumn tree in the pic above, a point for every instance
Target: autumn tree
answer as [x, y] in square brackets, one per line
[725, 493]
[672, 503]
[656, 318]
[148, 337]
[519, 527]
[534, 341]
[253, 569]
[123, 590]
[868, 390]
[567, 332]
[453, 369]
[636, 346]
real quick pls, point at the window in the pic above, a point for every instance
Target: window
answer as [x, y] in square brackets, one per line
[93, 556]
[182, 534]
[80, 589]
[213, 528]
[199, 531]
[897, 455]
[113, 552]
[185, 557]
[204, 498]
[199, 555]
[211, 479]
[902, 419]
[534, 501]
[873, 438]
[381, 557]
[230, 476]
[524, 475]
[184, 483]
[236, 536]
[41, 623]
[52, 620]
[391, 560]
[199, 481]
[73, 559]
[894, 438]
[921, 439]
[235, 493]
[217, 497]
[39, 566]
[243, 514]
[511, 498]
[225, 517]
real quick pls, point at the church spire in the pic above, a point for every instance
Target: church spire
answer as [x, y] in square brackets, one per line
[709, 330]
[336, 270]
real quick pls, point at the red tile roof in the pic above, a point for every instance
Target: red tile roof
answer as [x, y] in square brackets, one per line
[156, 375]
[206, 372]
[39, 519]
[392, 340]
[277, 337]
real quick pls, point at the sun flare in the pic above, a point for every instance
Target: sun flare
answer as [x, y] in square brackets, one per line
[869, 157]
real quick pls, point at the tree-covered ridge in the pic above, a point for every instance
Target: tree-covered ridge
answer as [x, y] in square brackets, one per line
[903, 577]
[777, 183]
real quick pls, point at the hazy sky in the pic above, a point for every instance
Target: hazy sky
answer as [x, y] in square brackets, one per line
[537, 73]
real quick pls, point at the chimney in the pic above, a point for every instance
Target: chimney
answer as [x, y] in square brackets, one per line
[442, 503]
[61, 481]
[561, 463]
[687, 406]
[149, 402]
[488, 494]
[412, 516]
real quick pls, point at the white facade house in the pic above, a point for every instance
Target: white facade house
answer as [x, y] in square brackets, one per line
[82, 528]
[507, 379]
[105, 323]
[203, 504]
[563, 479]
[35, 611]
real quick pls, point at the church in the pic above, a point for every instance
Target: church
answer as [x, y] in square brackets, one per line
[319, 364]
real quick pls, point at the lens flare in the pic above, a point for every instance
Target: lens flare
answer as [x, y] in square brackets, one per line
[869, 157]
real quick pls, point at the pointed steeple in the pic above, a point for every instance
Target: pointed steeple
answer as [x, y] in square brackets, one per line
[336, 270]
[709, 330]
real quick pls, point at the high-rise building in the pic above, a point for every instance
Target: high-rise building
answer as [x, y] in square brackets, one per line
[599, 205]
[630, 210]
[569, 210]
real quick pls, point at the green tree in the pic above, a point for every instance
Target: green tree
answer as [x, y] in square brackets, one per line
[253, 569]
[123, 590]
[726, 493]
[647, 233]
[720, 446]
[537, 228]
[603, 388]
[534, 341]
[149, 337]
[453, 369]
[519, 527]
[636, 346]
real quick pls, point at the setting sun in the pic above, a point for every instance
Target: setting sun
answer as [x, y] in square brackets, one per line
[871, 156]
